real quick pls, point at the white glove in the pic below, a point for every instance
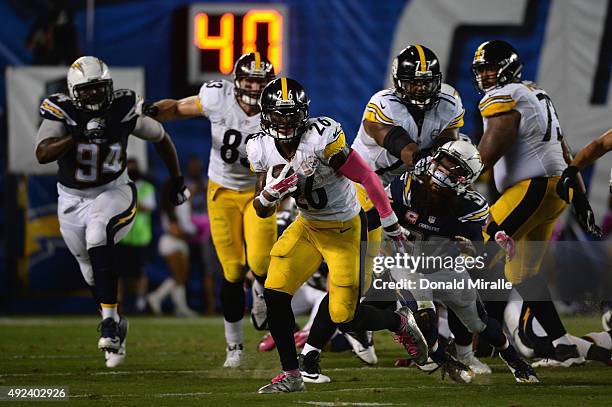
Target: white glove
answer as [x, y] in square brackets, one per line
[420, 168]
[278, 187]
[398, 236]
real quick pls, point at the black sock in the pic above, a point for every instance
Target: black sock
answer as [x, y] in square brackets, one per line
[599, 354]
[493, 333]
[323, 327]
[438, 355]
[232, 300]
[543, 309]
[94, 294]
[509, 353]
[105, 274]
[281, 322]
[369, 318]
[463, 337]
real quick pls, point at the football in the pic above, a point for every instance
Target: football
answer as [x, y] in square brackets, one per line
[276, 170]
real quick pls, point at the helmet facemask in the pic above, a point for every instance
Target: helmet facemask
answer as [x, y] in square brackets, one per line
[284, 123]
[449, 172]
[94, 96]
[420, 92]
[248, 88]
[508, 70]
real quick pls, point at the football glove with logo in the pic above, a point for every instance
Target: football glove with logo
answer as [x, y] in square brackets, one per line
[279, 186]
[180, 193]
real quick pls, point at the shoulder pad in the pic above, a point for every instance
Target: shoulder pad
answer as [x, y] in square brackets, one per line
[213, 94]
[474, 207]
[378, 109]
[499, 100]
[127, 104]
[58, 107]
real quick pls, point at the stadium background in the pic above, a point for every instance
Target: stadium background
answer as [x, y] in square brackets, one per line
[340, 50]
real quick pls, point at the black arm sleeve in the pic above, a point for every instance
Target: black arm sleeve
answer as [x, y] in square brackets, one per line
[396, 139]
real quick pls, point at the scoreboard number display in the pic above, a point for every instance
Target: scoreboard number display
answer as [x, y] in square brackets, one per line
[220, 33]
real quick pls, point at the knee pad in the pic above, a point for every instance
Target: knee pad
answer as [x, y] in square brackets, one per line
[95, 234]
[340, 313]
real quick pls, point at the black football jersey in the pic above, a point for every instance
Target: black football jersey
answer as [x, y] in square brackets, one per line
[99, 154]
[463, 216]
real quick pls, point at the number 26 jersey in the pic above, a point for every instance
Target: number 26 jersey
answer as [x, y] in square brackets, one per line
[230, 125]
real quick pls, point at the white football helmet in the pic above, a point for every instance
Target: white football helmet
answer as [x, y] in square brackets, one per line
[462, 167]
[90, 84]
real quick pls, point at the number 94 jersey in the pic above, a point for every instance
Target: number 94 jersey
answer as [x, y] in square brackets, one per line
[99, 154]
[323, 193]
[537, 150]
[228, 165]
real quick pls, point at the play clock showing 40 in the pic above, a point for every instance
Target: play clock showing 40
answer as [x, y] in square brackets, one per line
[220, 33]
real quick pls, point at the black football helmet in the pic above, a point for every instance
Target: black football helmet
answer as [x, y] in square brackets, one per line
[503, 57]
[416, 77]
[252, 66]
[284, 109]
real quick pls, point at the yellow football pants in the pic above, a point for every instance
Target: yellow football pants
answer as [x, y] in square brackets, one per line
[528, 212]
[301, 248]
[234, 225]
[374, 233]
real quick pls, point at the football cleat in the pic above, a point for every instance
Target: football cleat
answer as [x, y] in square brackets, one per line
[300, 338]
[311, 369]
[266, 344]
[114, 359]
[362, 346]
[457, 371]
[233, 355]
[410, 336]
[109, 335]
[475, 364]
[522, 372]
[259, 311]
[565, 356]
[606, 320]
[283, 383]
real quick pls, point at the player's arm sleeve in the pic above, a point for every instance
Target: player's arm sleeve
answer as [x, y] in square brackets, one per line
[210, 97]
[495, 103]
[149, 129]
[50, 129]
[376, 113]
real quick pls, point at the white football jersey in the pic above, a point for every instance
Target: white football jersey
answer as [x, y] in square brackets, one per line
[537, 151]
[324, 193]
[386, 108]
[230, 125]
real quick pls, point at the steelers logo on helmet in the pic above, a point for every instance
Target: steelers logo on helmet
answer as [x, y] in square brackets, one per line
[90, 85]
[455, 165]
[416, 77]
[284, 109]
[251, 74]
[496, 63]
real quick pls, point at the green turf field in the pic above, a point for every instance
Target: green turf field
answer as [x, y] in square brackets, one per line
[178, 362]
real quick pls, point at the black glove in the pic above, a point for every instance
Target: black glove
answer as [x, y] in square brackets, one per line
[585, 216]
[149, 109]
[567, 182]
[179, 192]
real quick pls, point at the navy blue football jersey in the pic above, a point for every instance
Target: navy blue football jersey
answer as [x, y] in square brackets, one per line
[99, 154]
[463, 215]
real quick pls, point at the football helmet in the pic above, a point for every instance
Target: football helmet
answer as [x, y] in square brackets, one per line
[255, 67]
[416, 77]
[498, 54]
[284, 109]
[90, 85]
[455, 165]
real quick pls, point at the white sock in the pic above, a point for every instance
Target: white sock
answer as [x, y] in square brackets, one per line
[110, 311]
[463, 351]
[179, 297]
[602, 339]
[233, 333]
[164, 288]
[582, 345]
[564, 340]
[309, 348]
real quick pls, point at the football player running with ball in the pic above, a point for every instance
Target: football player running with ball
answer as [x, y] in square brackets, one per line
[87, 132]
[234, 113]
[309, 157]
[435, 205]
[523, 143]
